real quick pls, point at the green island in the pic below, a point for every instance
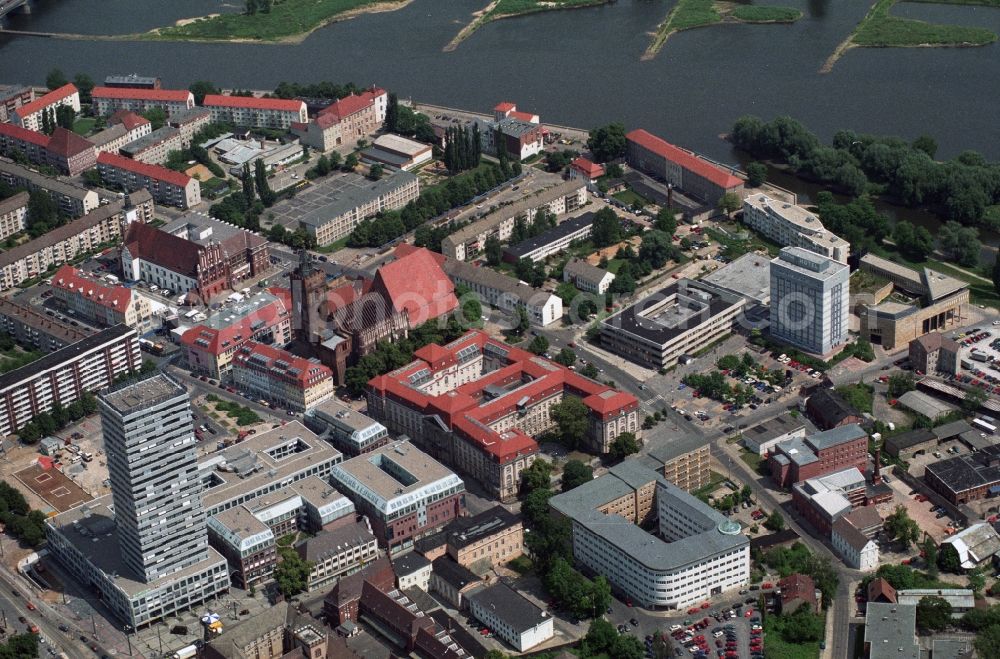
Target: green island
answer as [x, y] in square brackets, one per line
[498, 9]
[880, 29]
[281, 21]
[688, 14]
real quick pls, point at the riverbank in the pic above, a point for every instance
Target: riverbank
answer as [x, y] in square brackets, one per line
[288, 22]
[689, 14]
[499, 9]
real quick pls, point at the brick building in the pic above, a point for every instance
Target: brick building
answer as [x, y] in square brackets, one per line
[341, 603]
[173, 263]
[345, 121]
[933, 353]
[823, 453]
[64, 149]
[828, 410]
[966, 478]
[246, 252]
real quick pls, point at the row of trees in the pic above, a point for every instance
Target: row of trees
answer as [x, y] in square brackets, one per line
[19, 646]
[83, 82]
[19, 520]
[959, 189]
[48, 423]
[462, 149]
[63, 116]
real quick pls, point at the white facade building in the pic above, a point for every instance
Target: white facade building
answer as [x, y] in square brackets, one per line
[256, 112]
[810, 300]
[506, 293]
[790, 225]
[586, 277]
[510, 616]
[412, 571]
[857, 550]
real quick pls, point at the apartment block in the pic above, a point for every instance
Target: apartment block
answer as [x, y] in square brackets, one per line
[255, 112]
[63, 150]
[29, 115]
[104, 304]
[13, 212]
[72, 200]
[281, 378]
[586, 277]
[551, 241]
[12, 97]
[153, 148]
[189, 122]
[500, 291]
[791, 225]
[108, 100]
[124, 127]
[165, 185]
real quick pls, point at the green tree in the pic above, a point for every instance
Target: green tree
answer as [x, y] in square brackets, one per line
[590, 371]
[915, 243]
[949, 560]
[656, 249]
[392, 113]
[566, 357]
[535, 506]
[247, 179]
[960, 243]
[496, 654]
[729, 203]
[55, 79]
[376, 171]
[267, 196]
[42, 213]
[666, 221]
[493, 250]
[977, 580]
[570, 416]
[607, 142]
[900, 527]
[974, 399]
[933, 614]
[996, 275]
[756, 174]
[85, 85]
[927, 144]
[65, 116]
[157, 117]
[202, 88]
[775, 522]
[523, 322]
[350, 162]
[627, 647]
[607, 228]
[292, 573]
[900, 383]
[576, 473]
[537, 476]
[89, 402]
[663, 647]
[600, 636]
[623, 446]
[538, 345]
[987, 643]
[930, 550]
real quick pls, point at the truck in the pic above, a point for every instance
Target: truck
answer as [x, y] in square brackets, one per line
[985, 426]
[186, 652]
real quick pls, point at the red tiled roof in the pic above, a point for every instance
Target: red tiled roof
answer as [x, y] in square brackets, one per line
[287, 105]
[590, 169]
[505, 106]
[68, 278]
[25, 135]
[417, 284]
[685, 159]
[67, 144]
[169, 251]
[405, 249]
[165, 95]
[281, 364]
[217, 341]
[527, 117]
[45, 101]
[797, 586]
[130, 120]
[155, 172]
[348, 105]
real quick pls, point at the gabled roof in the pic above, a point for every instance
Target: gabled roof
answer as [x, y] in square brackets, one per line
[797, 586]
[587, 168]
[504, 106]
[851, 535]
[155, 172]
[67, 144]
[685, 159]
[68, 278]
[217, 340]
[417, 284]
[345, 107]
[148, 243]
[282, 104]
[45, 101]
[130, 120]
[25, 135]
[164, 95]
[279, 364]
[880, 590]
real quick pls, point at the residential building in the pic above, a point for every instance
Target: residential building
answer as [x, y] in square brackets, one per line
[189, 122]
[63, 150]
[397, 152]
[350, 431]
[968, 477]
[891, 631]
[791, 225]
[132, 81]
[153, 148]
[453, 582]
[506, 109]
[33, 329]
[856, 549]
[101, 303]
[511, 616]
[467, 242]
[797, 590]
[358, 199]
[810, 300]
[154, 559]
[345, 121]
[89, 364]
[762, 437]
[211, 345]
[98, 228]
[935, 353]
[829, 410]
[404, 492]
[255, 112]
[167, 186]
[499, 291]
[108, 100]
[12, 97]
[588, 278]
[13, 211]
[695, 555]
[338, 552]
[246, 252]
[279, 377]
[72, 200]
[975, 546]
[123, 127]
[679, 319]
[943, 303]
[29, 115]
[880, 590]
[492, 538]
[820, 454]
[412, 571]
[476, 403]
[551, 241]
[584, 169]
[683, 169]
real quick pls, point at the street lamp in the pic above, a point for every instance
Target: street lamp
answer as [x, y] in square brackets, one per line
[127, 629]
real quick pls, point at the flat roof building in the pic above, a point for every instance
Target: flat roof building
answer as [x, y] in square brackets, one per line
[551, 241]
[73, 200]
[791, 225]
[398, 152]
[810, 304]
[748, 276]
[967, 477]
[350, 431]
[890, 631]
[767, 434]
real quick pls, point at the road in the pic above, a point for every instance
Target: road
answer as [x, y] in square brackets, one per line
[44, 616]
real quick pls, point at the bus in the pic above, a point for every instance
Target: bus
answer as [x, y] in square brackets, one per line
[984, 426]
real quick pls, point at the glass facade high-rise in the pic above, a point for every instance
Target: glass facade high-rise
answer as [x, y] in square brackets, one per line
[810, 300]
[153, 468]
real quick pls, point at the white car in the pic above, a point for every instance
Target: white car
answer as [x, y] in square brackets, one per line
[996, 322]
[674, 628]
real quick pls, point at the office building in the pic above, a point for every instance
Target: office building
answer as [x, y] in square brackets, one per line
[500, 291]
[397, 152]
[551, 241]
[344, 121]
[255, 112]
[749, 276]
[350, 431]
[762, 437]
[404, 492]
[72, 200]
[791, 225]
[101, 303]
[469, 241]
[153, 148]
[108, 100]
[511, 616]
[154, 558]
[810, 300]
[679, 319]
[246, 252]
[338, 552]
[695, 555]
[165, 185]
[694, 175]
[819, 454]
[280, 378]
[492, 538]
[29, 115]
[66, 242]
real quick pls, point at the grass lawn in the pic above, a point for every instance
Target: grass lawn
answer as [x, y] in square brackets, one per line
[779, 648]
[881, 29]
[752, 459]
[516, 7]
[766, 14]
[629, 198]
[288, 18]
[614, 265]
[334, 246]
[84, 125]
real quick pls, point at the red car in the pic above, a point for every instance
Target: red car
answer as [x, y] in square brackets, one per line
[767, 585]
[694, 610]
[706, 605]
